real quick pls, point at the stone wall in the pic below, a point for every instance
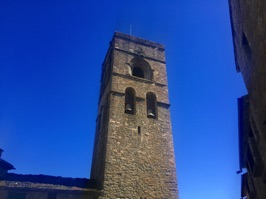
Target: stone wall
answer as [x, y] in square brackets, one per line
[139, 156]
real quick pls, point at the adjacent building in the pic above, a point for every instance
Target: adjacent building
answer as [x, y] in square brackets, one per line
[248, 20]
[18, 186]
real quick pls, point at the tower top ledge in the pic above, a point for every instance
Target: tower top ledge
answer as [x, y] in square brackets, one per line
[139, 40]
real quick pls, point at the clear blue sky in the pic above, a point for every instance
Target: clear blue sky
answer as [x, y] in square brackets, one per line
[50, 62]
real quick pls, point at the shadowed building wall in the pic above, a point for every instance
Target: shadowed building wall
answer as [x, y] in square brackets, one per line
[248, 20]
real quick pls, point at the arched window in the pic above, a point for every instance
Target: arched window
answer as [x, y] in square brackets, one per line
[141, 68]
[138, 72]
[130, 101]
[151, 101]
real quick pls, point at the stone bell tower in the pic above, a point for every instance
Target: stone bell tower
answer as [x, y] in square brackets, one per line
[133, 150]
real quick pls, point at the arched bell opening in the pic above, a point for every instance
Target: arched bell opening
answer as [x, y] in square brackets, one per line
[141, 68]
[130, 101]
[151, 101]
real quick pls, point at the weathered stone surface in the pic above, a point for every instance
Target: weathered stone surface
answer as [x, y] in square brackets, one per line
[133, 154]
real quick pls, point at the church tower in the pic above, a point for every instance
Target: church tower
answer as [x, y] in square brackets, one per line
[133, 150]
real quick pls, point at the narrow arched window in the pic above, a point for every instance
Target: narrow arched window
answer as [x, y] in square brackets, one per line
[151, 101]
[130, 101]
